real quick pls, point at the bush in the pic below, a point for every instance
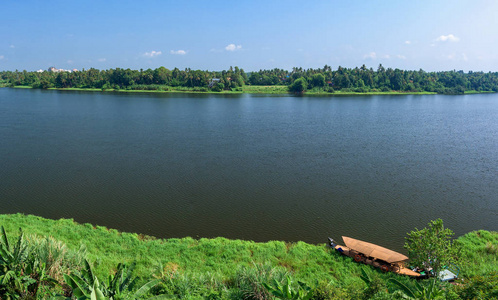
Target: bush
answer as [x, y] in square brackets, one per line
[329, 291]
[249, 281]
[481, 287]
[218, 87]
[330, 89]
[361, 90]
[299, 86]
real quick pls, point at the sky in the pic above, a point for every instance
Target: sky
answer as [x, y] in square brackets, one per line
[253, 35]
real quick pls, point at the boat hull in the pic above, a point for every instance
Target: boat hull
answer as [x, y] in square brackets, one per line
[395, 267]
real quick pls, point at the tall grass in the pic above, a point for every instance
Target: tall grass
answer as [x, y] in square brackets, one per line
[261, 89]
[218, 268]
[478, 252]
[56, 256]
[249, 280]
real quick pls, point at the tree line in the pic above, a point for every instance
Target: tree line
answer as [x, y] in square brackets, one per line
[298, 80]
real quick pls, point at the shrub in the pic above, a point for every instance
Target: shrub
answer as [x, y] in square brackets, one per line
[250, 281]
[299, 85]
[55, 256]
[481, 287]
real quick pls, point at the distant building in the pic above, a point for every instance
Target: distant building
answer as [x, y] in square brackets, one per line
[55, 70]
[213, 82]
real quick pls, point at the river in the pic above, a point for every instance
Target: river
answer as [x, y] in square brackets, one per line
[255, 167]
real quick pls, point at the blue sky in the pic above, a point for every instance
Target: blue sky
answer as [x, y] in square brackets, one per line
[214, 35]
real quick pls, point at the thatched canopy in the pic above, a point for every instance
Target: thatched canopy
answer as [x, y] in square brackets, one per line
[373, 250]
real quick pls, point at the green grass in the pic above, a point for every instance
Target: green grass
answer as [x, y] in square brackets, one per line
[202, 266]
[77, 89]
[480, 250]
[307, 261]
[338, 93]
[249, 89]
[218, 255]
[261, 89]
[478, 92]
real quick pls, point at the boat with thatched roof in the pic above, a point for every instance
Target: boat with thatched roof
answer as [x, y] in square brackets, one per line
[374, 255]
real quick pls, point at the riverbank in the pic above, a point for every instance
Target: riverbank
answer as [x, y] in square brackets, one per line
[275, 89]
[248, 89]
[221, 265]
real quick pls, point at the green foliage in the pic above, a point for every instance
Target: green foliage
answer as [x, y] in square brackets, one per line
[216, 268]
[85, 285]
[374, 283]
[250, 281]
[288, 291]
[57, 258]
[350, 80]
[331, 290]
[21, 273]
[432, 290]
[480, 287]
[193, 286]
[318, 80]
[218, 87]
[431, 248]
[299, 86]
[478, 250]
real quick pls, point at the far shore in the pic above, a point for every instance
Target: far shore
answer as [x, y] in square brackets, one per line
[275, 89]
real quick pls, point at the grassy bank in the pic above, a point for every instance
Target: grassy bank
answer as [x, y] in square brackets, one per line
[249, 89]
[219, 255]
[221, 263]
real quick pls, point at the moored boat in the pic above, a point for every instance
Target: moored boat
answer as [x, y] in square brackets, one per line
[374, 255]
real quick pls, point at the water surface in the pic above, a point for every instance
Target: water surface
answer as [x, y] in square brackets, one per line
[252, 167]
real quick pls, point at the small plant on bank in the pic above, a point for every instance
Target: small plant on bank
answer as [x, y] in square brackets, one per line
[249, 281]
[22, 275]
[121, 285]
[288, 291]
[374, 283]
[423, 292]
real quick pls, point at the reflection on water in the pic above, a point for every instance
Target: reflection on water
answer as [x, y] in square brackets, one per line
[251, 166]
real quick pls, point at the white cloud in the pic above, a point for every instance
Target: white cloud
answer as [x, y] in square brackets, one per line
[102, 59]
[371, 55]
[233, 47]
[69, 61]
[2, 57]
[178, 52]
[401, 56]
[12, 46]
[152, 53]
[408, 42]
[457, 57]
[387, 56]
[448, 38]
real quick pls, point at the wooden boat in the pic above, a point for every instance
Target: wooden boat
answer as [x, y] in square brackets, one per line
[374, 255]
